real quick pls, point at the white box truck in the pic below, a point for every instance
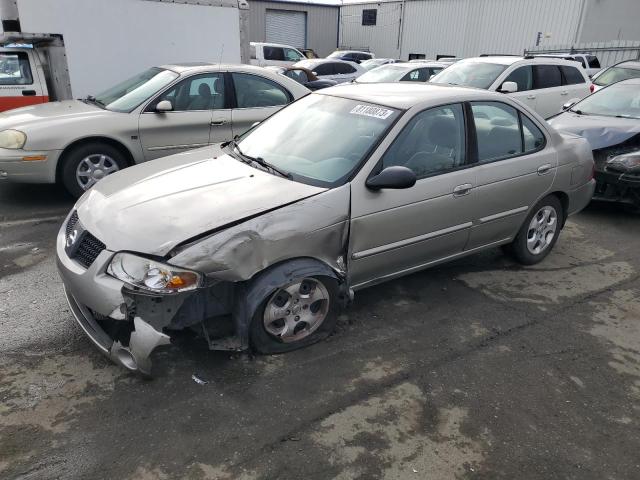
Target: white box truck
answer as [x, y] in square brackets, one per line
[62, 49]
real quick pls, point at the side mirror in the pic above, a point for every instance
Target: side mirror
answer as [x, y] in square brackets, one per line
[164, 106]
[570, 104]
[395, 177]
[315, 73]
[508, 87]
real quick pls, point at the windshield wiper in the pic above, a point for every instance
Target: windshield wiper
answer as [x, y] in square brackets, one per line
[259, 160]
[579, 112]
[95, 101]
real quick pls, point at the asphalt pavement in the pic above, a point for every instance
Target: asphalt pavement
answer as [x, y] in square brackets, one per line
[479, 369]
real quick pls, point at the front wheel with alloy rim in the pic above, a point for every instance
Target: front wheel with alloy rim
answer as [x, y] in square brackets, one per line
[539, 232]
[295, 315]
[85, 165]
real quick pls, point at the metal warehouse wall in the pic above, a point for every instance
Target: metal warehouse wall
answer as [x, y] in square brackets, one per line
[611, 20]
[470, 27]
[382, 38]
[322, 23]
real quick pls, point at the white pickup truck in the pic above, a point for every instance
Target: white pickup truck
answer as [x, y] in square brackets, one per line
[274, 54]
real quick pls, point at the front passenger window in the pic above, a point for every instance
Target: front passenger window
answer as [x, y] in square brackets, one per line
[523, 76]
[432, 142]
[199, 92]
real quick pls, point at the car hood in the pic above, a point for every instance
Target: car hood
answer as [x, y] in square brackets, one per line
[600, 131]
[152, 207]
[48, 112]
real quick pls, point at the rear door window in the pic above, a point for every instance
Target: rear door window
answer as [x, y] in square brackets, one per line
[273, 53]
[523, 76]
[571, 75]
[418, 75]
[324, 69]
[546, 76]
[497, 131]
[344, 68]
[253, 91]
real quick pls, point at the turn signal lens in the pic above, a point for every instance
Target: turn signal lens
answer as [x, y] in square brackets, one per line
[592, 87]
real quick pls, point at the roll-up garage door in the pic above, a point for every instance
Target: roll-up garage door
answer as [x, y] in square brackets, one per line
[288, 27]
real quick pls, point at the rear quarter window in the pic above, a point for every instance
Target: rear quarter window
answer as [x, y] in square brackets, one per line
[571, 75]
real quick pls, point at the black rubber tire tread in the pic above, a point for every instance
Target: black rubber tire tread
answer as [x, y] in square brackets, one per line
[518, 248]
[263, 342]
[72, 158]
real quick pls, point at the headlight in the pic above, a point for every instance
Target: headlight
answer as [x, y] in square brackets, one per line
[12, 139]
[151, 275]
[629, 162]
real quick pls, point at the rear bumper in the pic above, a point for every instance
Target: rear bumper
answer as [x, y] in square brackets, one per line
[14, 168]
[580, 197]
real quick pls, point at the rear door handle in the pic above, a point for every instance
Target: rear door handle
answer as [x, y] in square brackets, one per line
[564, 93]
[531, 97]
[28, 93]
[463, 189]
[544, 169]
[215, 123]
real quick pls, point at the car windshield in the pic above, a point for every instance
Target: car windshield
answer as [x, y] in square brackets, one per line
[320, 140]
[616, 74]
[614, 101]
[384, 73]
[373, 63]
[470, 74]
[127, 95]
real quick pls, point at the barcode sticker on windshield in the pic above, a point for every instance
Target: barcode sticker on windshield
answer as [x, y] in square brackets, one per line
[376, 112]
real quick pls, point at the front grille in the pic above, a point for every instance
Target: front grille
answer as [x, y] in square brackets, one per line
[73, 219]
[89, 249]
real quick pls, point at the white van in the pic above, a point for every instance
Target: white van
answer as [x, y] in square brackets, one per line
[264, 54]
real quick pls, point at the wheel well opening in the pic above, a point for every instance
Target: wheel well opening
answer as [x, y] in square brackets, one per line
[86, 141]
[564, 201]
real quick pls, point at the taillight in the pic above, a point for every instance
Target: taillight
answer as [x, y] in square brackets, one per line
[592, 87]
[593, 172]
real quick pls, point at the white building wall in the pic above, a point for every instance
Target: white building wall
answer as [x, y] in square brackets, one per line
[382, 39]
[471, 27]
[611, 20]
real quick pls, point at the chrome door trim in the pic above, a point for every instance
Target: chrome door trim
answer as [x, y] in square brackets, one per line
[506, 213]
[173, 147]
[422, 266]
[409, 241]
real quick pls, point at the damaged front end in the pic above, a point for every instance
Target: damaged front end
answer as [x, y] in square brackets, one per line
[618, 173]
[128, 303]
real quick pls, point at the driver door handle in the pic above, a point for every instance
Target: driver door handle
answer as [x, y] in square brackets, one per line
[564, 92]
[531, 97]
[463, 189]
[218, 122]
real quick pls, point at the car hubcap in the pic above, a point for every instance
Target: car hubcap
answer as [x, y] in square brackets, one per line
[94, 168]
[297, 310]
[542, 229]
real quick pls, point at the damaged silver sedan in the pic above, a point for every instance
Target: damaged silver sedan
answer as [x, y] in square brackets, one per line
[259, 243]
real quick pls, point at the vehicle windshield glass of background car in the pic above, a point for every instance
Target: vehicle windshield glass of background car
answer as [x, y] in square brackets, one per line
[614, 101]
[616, 74]
[385, 73]
[470, 74]
[320, 139]
[127, 95]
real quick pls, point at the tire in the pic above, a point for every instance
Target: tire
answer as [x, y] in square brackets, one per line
[537, 238]
[265, 339]
[105, 158]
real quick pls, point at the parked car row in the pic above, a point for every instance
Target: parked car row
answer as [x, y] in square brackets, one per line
[325, 192]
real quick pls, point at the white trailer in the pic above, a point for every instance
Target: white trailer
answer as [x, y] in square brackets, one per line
[61, 49]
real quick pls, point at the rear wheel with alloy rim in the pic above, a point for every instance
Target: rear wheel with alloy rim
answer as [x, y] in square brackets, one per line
[295, 315]
[87, 164]
[539, 232]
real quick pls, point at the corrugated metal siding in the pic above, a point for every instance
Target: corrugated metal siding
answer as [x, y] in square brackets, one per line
[322, 23]
[470, 27]
[382, 39]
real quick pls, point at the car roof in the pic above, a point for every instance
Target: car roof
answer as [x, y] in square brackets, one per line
[635, 64]
[406, 95]
[412, 65]
[351, 51]
[318, 61]
[272, 44]
[510, 60]
[182, 68]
